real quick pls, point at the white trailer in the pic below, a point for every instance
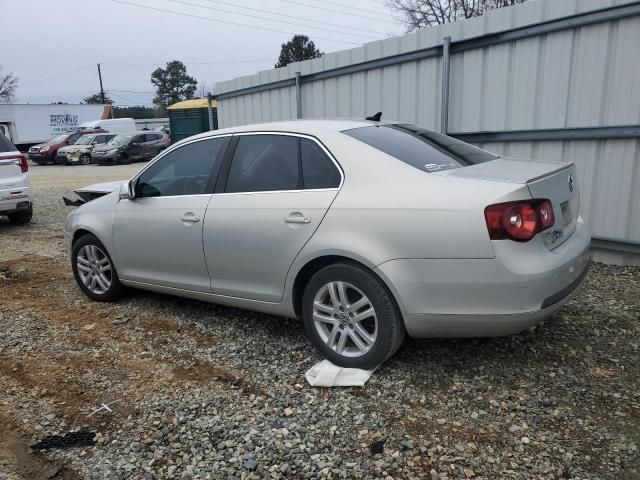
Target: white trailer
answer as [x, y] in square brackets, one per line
[28, 124]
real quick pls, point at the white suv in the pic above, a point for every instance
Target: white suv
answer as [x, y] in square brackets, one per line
[16, 196]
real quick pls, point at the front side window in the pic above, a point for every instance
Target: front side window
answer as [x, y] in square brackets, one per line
[423, 149]
[186, 170]
[119, 140]
[264, 163]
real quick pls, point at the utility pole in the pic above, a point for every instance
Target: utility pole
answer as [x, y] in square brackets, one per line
[101, 89]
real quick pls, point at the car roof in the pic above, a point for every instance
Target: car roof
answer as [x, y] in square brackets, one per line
[310, 126]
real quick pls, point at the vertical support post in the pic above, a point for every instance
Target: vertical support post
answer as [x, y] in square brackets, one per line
[210, 110]
[444, 102]
[298, 95]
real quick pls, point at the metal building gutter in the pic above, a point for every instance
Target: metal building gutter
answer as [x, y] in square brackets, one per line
[377, 63]
[616, 12]
[590, 133]
[287, 82]
[615, 245]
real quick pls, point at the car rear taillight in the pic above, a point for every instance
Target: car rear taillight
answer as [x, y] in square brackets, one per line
[19, 159]
[24, 165]
[519, 221]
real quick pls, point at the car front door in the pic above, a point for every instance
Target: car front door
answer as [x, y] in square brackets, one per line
[158, 233]
[258, 223]
[135, 150]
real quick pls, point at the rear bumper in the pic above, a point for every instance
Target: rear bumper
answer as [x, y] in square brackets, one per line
[523, 285]
[14, 203]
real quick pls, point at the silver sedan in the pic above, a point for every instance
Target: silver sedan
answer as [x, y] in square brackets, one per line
[365, 230]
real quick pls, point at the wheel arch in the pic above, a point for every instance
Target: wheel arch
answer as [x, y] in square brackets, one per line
[318, 263]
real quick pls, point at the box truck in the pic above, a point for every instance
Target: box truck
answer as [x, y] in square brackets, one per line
[28, 124]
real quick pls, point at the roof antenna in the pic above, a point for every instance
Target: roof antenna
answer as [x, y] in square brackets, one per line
[375, 118]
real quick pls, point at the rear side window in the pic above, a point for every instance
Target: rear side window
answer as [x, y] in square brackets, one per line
[6, 145]
[423, 149]
[318, 170]
[264, 163]
[151, 137]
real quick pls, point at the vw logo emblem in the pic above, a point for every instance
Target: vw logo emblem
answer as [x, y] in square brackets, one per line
[571, 183]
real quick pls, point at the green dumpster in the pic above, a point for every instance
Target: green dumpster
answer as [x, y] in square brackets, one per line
[190, 118]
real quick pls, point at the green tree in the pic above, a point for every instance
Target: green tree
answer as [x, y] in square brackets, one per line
[298, 49]
[97, 98]
[136, 111]
[172, 84]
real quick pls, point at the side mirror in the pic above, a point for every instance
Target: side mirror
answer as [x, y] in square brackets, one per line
[126, 191]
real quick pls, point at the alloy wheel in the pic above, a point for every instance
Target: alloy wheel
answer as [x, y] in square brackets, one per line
[345, 319]
[94, 269]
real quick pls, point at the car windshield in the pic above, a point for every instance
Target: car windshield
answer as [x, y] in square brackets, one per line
[59, 138]
[423, 149]
[84, 140]
[119, 140]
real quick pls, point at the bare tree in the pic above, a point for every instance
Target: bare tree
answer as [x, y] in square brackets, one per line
[423, 13]
[8, 85]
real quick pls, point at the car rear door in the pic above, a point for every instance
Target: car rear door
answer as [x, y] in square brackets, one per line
[158, 233]
[262, 216]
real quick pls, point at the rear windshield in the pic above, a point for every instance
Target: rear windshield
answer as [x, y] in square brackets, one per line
[425, 150]
[6, 145]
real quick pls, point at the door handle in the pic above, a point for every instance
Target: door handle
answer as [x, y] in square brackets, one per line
[297, 217]
[190, 217]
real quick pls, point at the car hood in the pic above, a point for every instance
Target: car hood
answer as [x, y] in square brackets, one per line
[96, 190]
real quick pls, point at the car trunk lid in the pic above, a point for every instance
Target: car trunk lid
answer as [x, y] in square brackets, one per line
[551, 180]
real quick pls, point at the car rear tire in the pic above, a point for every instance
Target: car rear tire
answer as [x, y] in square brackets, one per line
[94, 270]
[85, 159]
[21, 217]
[351, 316]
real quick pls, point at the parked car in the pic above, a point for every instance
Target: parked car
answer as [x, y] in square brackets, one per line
[129, 148]
[16, 196]
[365, 230]
[46, 152]
[113, 125]
[80, 152]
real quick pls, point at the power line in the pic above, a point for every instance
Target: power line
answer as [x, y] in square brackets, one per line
[224, 62]
[294, 16]
[128, 91]
[224, 21]
[272, 20]
[333, 11]
[351, 7]
[58, 76]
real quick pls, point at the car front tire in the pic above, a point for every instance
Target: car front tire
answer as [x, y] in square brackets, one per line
[94, 270]
[85, 159]
[351, 316]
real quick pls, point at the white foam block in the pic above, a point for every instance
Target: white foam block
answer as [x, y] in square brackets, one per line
[326, 374]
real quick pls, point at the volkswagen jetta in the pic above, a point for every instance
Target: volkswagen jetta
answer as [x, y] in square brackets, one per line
[364, 230]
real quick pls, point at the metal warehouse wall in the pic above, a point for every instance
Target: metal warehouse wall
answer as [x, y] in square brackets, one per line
[550, 79]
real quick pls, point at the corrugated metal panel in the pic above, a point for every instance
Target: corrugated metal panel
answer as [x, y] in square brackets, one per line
[584, 76]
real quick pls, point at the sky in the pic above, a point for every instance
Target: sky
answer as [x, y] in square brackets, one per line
[53, 46]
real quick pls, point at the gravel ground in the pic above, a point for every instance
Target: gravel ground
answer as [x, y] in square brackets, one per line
[202, 391]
